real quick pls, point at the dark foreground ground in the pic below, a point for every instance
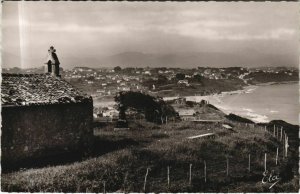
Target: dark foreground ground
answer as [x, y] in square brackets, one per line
[118, 160]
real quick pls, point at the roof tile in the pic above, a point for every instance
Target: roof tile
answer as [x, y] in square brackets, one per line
[30, 89]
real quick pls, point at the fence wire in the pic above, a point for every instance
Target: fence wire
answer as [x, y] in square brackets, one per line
[159, 180]
[157, 177]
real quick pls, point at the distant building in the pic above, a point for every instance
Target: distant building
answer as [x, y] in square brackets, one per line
[207, 71]
[147, 73]
[183, 82]
[187, 114]
[42, 115]
[181, 101]
[113, 114]
[125, 88]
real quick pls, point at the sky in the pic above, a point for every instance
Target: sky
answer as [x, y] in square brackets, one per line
[90, 31]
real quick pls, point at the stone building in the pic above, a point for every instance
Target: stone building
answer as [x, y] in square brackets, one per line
[42, 115]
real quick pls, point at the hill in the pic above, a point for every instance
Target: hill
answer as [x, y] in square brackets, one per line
[216, 163]
[188, 59]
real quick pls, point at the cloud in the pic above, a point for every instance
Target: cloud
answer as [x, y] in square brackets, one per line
[219, 30]
[75, 28]
[282, 32]
[112, 27]
[221, 23]
[276, 34]
[205, 29]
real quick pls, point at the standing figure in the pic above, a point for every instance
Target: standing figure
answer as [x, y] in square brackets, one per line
[48, 62]
[53, 62]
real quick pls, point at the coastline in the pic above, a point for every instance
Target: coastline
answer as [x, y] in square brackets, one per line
[217, 100]
[277, 83]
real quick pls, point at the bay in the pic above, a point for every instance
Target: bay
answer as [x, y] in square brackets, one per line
[261, 103]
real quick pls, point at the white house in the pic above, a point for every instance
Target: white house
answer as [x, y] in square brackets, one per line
[184, 82]
[187, 114]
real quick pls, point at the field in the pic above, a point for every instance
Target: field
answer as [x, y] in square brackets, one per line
[175, 163]
[207, 87]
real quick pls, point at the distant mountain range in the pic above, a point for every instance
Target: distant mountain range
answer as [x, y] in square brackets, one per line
[250, 58]
[188, 60]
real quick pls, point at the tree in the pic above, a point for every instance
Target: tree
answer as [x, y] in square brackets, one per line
[166, 111]
[198, 78]
[122, 122]
[149, 82]
[128, 70]
[155, 109]
[180, 76]
[91, 78]
[162, 80]
[117, 69]
[190, 103]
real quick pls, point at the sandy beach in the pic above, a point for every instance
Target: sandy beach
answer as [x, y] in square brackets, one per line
[260, 103]
[255, 102]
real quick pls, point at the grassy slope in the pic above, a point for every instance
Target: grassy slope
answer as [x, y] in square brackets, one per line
[159, 147]
[262, 77]
[208, 86]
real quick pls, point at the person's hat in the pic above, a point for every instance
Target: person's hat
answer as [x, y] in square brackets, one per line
[52, 49]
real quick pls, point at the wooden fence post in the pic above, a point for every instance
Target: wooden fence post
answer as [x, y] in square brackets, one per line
[281, 134]
[168, 179]
[227, 169]
[276, 156]
[265, 162]
[286, 145]
[104, 187]
[145, 181]
[274, 131]
[190, 179]
[249, 163]
[125, 180]
[283, 146]
[285, 139]
[204, 170]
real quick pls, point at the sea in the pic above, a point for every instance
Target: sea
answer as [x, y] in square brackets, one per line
[261, 103]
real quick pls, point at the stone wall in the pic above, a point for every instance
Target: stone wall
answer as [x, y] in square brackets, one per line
[41, 130]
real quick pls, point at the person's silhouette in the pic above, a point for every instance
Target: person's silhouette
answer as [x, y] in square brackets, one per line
[53, 60]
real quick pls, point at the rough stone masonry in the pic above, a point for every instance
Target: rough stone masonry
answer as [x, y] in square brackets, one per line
[42, 115]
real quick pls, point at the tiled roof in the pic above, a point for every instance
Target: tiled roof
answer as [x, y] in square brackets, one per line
[33, 89]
